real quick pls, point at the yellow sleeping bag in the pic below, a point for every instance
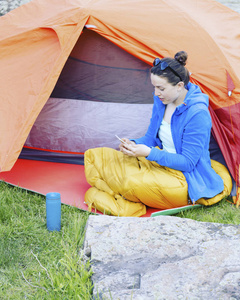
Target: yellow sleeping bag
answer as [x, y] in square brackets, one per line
[124, 185]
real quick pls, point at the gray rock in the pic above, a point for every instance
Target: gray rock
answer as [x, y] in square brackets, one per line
[163, 258]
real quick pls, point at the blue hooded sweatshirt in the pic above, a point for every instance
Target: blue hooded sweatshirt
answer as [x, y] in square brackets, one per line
[191, 130]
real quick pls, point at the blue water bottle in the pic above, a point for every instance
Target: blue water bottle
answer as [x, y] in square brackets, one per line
[53, 211]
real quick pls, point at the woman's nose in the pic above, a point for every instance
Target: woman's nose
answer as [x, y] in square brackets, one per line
[157, 92]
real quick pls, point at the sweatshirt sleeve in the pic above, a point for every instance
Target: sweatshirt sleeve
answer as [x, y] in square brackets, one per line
[196, 133]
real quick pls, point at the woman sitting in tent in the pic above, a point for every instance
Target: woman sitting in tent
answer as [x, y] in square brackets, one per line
[168, 167]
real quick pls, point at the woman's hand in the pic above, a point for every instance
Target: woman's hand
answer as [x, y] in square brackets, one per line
[132, 149]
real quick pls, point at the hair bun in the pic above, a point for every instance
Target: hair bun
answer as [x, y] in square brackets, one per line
[181, 57]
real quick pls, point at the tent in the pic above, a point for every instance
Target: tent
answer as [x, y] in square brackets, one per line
[75, 73]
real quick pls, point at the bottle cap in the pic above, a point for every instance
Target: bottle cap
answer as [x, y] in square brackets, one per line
[53, 196]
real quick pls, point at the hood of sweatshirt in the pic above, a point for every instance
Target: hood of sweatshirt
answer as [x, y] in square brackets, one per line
[194, 96]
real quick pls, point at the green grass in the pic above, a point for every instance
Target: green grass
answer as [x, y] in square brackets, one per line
[221, 212]
[38, 264]
[34, 262]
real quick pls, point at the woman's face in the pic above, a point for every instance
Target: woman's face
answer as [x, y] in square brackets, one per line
[166, 92]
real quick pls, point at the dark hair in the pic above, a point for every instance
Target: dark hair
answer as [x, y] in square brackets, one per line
[176, 66]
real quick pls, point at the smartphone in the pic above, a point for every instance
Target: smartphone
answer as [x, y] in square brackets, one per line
[122, 141]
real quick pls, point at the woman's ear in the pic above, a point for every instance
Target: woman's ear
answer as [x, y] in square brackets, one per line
[180, 85]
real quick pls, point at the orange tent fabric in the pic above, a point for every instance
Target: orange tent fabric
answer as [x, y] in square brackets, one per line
[37, 38]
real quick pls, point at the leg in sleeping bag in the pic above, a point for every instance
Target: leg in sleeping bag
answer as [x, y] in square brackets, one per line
[123, 185]
[157, 186]
[104, 169]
